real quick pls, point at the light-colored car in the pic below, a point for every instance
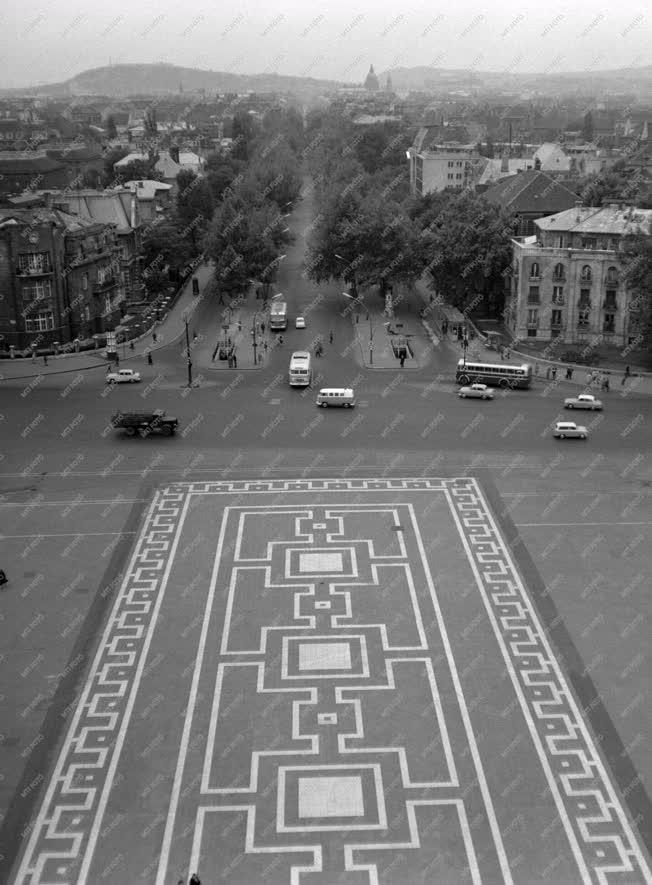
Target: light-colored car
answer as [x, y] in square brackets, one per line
[123, 376]
[583, 401]
[569, 430]
[300, 323]
[476, 391]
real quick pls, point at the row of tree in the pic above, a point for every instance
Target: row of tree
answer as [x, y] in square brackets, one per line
[233, 213]
[370, 232]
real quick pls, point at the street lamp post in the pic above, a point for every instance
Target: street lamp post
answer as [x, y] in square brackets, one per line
[255, 342]
[185, 319]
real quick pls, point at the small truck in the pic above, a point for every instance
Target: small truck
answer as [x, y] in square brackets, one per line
[144, 423]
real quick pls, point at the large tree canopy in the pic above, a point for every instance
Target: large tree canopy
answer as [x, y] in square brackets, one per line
[638, 277]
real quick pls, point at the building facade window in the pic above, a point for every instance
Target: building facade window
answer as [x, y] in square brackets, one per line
[533, 317]
[583, 318]
[612, 276]
[84, 281]
[610, 300]
[557, 294]
[533, 295]
[37, 291]
[43, 321]
[609, 322]
[555, 319]
[35, 262]
[586, 275]
[559, 272]
[588, 243]
[585, 299]
[534, 271]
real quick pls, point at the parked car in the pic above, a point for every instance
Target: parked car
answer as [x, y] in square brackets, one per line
[123, 376]
[476, 391]
[570, 430]
[300, 323]
[145, 423]
[583, 401]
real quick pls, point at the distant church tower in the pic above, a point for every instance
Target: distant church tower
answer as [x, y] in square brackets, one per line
[371, 84]
[388, 86]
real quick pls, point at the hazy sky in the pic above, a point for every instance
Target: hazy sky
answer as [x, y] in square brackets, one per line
[54, 40]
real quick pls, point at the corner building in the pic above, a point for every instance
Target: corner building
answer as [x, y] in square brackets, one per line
[567, 281]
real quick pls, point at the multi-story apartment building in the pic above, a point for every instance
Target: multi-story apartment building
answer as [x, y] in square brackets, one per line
[443, 166]
[59, 276]
[567, 281]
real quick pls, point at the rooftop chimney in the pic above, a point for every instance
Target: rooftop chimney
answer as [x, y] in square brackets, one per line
[578, 211]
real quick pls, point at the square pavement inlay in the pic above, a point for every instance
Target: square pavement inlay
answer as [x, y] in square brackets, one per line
[324, 656]
[330, 797]
[326, 563]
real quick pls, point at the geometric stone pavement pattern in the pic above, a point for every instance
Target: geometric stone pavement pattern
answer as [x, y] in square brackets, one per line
[326, 621]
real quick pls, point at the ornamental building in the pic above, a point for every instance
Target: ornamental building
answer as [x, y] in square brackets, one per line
[567, 281]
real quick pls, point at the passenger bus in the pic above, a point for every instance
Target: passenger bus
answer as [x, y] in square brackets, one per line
[501, 374]
[278, 316]
[300, 373]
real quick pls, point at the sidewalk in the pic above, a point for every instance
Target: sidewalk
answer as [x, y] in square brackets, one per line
[380, 341]
[582, 376]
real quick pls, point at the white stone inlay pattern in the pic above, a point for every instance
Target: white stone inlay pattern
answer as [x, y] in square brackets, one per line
[325, 563]
[330, 797]
[324, 656]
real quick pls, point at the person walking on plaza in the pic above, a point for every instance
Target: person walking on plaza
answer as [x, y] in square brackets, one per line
[280, 339]
[330, 337]
[154, 336]
[554, 373]
[262, 328]
[45, 359]
[149, 358]
[625, 376]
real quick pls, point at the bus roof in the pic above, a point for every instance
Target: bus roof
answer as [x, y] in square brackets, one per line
[461, 364]
[300, 355]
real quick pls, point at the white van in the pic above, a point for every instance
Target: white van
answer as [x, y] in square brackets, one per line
[336, 396]
[300, 372]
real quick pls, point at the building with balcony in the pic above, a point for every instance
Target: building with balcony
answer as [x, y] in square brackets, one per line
[567, 281]
[59, 276]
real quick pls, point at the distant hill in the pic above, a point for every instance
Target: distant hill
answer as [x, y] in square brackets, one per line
[625, 80]
[124, 80]
[160, 79]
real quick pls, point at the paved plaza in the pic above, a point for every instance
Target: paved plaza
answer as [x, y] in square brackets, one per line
[321, 681]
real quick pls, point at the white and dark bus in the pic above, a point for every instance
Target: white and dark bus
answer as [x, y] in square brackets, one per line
[498, 374]
[300, 372]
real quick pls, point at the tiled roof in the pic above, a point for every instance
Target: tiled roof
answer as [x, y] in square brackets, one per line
[531, 191]
[102, 208]
[604, 220]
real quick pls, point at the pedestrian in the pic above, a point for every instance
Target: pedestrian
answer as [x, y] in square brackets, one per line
[239, 326]
[627, 373]
[330, 337]
[554, 373]
[154, 337]
[230, 361]
[280, 339]
[262, 328]
[149, 358]
[548, 373]
[45, 359]
[568, 373]
[606, 384]
[402, 360]
[235, 361]
[265, 344]
[131, 345]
